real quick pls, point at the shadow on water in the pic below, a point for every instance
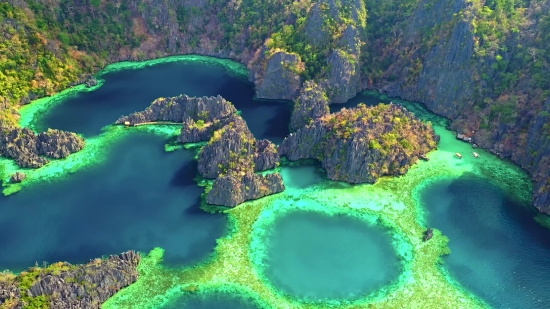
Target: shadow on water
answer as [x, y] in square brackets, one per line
[184, 176]
[497, 250]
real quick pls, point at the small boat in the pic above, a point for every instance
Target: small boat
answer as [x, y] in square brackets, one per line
[475, 154]
[423, 157]
[126, 123]
[458, 155]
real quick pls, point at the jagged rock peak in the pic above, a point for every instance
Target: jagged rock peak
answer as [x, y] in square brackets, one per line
[344, 80]
[67, 286]
[180, 108]
[235, 188]
[230, 147]
[361, 144]
[310, 105]
[27, 147]
[281, 78]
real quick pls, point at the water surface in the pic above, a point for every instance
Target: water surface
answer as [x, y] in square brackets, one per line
[314, 256]
[140, 198]
[127, 91]
[497, 250]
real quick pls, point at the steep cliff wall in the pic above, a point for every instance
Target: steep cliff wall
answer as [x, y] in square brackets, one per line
[361, 144]
[483, 64]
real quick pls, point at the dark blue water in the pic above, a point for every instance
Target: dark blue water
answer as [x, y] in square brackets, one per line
[127, 91]
[497, 250]
[313, 256]
[140, 198]
[211, 301]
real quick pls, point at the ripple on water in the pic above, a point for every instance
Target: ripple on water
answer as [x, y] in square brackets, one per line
[210, 301]
[497, 250]
[139, 198]
[314, 256]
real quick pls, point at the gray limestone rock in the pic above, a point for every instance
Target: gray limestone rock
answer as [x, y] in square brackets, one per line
[76, 286]
[310, 105]
[234, 189]
[281, 78]
[17, 177]
[27, 147]
[361, 144]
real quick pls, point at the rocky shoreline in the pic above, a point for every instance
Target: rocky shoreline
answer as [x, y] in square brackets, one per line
[65, 286]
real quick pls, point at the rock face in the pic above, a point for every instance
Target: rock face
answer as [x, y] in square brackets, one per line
[17, 177]
[27, 147]
[266, 156]
[361, 144]
[232, 154]
[72, 286]
[230, 158]
[234, 189]
[281, 78]
[311, 104]
[230, 148]
[182, 108]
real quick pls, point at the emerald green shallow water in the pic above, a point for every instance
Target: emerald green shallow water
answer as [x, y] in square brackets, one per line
[315, 257]
[144, 197]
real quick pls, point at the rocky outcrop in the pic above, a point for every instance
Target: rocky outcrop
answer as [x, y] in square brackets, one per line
[266, 156]
[230, 158]
[71, 286]
[232, 154]
[27, 147]
[361, 144]
[281, 77]
[182, 108]
[230, 148]
[344, 79]
[311, 104]
[235, 188]
[17, 177]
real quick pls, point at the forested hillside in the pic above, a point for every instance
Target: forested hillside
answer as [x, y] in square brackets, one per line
[483, 64]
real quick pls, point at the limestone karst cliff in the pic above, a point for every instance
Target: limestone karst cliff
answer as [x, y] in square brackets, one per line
[28, 148]
[482, 64]
[361, 144]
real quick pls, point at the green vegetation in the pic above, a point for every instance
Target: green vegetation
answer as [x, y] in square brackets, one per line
[46, 48]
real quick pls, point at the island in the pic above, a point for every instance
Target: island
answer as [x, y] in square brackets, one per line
[359, 145]
[28, 148]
